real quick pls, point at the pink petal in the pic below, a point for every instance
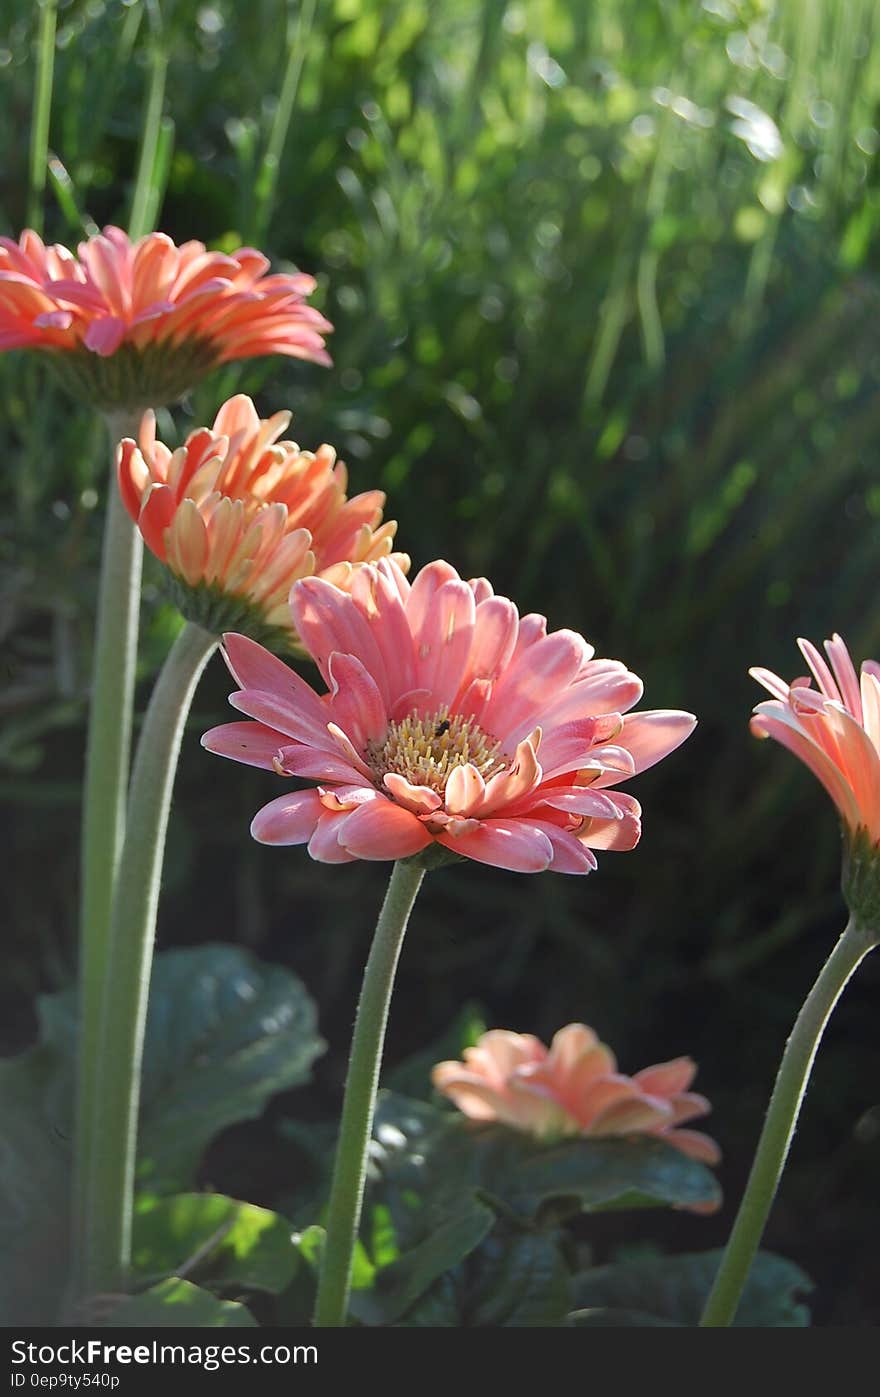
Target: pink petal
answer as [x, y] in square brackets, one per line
[821, 673]
[314, 765]
[380, 829]
[422, 591]
[324, 846]
[421, 800]
[630, 1114]
[289, 819]
[355, 702]
[777, 721]
[771, 682]
[667, 1077]
[619, 835]
[694, 1144]
[569, 1045]
[651, 736]
[465, 789]
[105, 336]
[570, 855]
[512, 844]
[443, 641]
[255, 667]
[253, 744]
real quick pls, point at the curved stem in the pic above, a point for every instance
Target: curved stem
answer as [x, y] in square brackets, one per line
[349, 1170]
[131, 953]
[779, 1125]
[106, 783]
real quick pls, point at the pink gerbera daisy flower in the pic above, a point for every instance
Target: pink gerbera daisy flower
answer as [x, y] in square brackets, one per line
[449, 721]
[134, 323]
[831, 720]
[574, 1088]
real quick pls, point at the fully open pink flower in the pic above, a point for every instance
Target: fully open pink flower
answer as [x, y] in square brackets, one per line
[170, 312]
[574, 1088]
[238, 516]
[449, 720]
[834, 727]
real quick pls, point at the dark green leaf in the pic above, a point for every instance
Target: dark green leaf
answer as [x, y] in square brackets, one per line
[402, 1281]
[512, 1280]
[674, 1289]
[428, 1159]
[178, 1303]
[225, 1032]
[34, 1179]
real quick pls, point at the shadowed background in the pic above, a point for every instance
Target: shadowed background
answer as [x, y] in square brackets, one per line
[604, 282]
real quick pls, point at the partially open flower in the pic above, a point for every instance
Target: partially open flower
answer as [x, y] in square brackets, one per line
[129, 324]
[237, 516]
[834, 728]
[574, 1088]
[450, 720]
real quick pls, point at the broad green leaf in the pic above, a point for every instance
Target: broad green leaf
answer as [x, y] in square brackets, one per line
[673, 1289]
[513, 1280]
[427, 1159]
[218, 1240]
[401, 1282]
[178, 1303]
[35, 1168]
[225, 1032]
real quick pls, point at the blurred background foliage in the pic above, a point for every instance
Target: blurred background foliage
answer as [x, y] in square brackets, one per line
[605, 285]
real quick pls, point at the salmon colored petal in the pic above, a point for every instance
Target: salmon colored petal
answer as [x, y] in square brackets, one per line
[382, 830]
[510, 844]
[667, 1077]
[694, 1144]
[473, 1098]
[156, 517]
[507, 1051]
[421, 800]
[310, 764]
[289, 819]
[324, 845]
[569, 1045]
[649, 737]
[570, 855]
[631, 1115]
[621, 834]
[774, 720]
[464, 791]
[255, 667]
[251, 743]
[356, 703]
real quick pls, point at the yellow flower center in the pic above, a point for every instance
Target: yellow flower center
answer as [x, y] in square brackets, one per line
[426, 749]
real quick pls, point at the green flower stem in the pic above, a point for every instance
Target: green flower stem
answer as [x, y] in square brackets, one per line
[349, 1171]
[132, 931]
[41, 112]
[780, 1122]
[106, 784]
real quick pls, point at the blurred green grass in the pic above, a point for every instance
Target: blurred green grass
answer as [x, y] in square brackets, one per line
[605, 283]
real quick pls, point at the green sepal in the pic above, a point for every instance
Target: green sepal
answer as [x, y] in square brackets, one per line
[208, 605]
[132, 378]
[860, 880]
